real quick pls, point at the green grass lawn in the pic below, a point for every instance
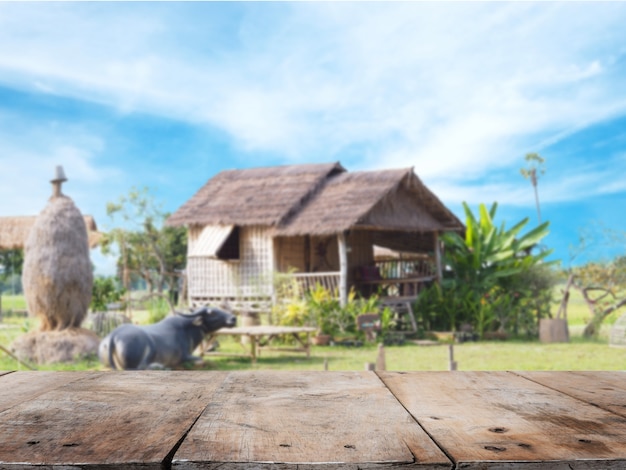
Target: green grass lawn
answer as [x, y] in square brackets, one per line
[497, 355]
[578, 354]
[12, 302]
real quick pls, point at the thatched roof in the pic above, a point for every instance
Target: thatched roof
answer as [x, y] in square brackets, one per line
[256, 196]
[14, 231]
[378, 200]
[318, 199]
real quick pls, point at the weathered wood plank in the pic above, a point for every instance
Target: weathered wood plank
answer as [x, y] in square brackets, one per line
[19, 387]
[110, 419]
[605, 389]
[501, 420]
[313, 419]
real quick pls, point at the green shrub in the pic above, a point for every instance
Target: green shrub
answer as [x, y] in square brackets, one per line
[105, 290]
[158, 309]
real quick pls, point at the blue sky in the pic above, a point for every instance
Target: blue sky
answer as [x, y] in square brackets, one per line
[165, 95]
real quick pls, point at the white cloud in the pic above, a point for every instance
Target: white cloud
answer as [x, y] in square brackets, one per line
[30, 156]
[457, 90]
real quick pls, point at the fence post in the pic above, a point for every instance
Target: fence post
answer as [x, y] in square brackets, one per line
[452, 363]
[381, 363]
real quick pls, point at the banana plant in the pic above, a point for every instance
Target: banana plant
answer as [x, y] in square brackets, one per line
[488, 252]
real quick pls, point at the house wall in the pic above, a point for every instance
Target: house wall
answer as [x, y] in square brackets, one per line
[324, 254]
[247, 280]
[290, 254]
[307, 254]
[361, 248]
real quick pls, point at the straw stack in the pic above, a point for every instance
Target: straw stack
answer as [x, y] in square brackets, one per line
[57, 274]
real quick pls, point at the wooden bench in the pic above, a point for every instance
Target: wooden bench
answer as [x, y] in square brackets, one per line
[315, 420]
[260, 336]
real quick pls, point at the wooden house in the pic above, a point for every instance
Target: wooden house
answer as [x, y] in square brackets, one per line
[317, 222]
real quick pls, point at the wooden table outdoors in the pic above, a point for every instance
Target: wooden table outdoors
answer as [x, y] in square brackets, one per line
[256, 333]
[313, 420]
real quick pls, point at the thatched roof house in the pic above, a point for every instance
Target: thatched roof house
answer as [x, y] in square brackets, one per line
[317, 220]
[14, 231]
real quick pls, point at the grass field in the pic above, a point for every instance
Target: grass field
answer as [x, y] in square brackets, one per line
[12, 302]
[578, 354]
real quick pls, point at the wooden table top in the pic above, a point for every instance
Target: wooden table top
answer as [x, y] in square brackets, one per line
[313, 420]
[264, 330]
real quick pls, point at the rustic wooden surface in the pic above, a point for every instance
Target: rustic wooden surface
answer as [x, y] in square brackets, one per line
[313, 420]
[504, 418]
[607, 390]
[100, 419]
[265, 330]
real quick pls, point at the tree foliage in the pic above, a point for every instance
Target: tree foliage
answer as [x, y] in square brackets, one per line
[535, 168]
[145, 246]
[487, 282]
[11, 263]
[105, 290]
[603, 287]
[489, 254]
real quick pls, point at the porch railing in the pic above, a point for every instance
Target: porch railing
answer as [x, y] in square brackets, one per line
[309, 281]
[411, 268]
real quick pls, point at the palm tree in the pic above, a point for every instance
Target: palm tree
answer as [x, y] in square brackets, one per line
[535, 168]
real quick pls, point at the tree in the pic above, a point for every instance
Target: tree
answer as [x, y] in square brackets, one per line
[535, 168]
[105, 291]
[483, 268]
[602, 284]
[146, 247]
[603, 287]
[11, 263]
[489, 253]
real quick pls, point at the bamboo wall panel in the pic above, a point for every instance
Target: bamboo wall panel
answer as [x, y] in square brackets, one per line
[250, 276]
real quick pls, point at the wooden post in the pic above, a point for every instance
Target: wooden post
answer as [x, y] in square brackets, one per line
[452, 363]
[381, 364]
[563, 306]
[273, 269]
[343, 269]
[438, 258]
[307, 253]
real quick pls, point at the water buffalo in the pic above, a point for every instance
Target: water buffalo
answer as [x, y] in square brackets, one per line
[167, 344]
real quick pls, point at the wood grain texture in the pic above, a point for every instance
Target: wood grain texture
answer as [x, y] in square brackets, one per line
[106, 420]
[312, 420]
[318, 419]
[605, 389]
[502, 420]
[19, 387]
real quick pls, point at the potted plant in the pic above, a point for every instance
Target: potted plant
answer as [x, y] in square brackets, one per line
[322, 305]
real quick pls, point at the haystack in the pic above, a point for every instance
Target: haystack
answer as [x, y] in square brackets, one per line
[47, 347]
[57, 275]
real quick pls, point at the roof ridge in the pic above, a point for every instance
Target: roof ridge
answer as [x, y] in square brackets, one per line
[297, 206]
